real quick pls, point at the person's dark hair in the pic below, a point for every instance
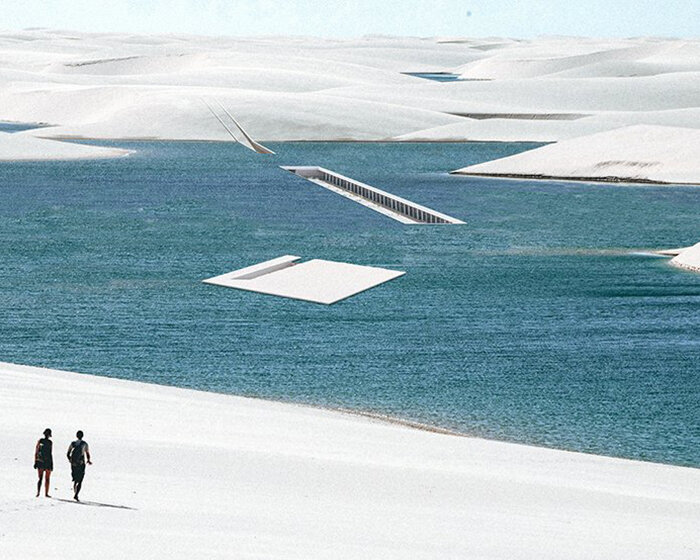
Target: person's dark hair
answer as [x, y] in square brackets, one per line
[79, 434]
[47, 432]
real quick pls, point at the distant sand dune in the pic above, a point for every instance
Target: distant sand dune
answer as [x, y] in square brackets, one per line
[117, 85]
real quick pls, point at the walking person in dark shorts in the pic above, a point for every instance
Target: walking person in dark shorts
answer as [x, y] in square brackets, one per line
[78, 452]
[43, 461]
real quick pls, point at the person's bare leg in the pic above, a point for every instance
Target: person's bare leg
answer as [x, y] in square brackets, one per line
[48, 482]
[38, 484]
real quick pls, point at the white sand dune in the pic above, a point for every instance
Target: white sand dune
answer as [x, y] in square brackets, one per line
[688, 258]
[620, 61]
[546, 129]
[172, 115]
[636, 153]
[20, 146]
[506, 129]
[184, 474]
[130, 86]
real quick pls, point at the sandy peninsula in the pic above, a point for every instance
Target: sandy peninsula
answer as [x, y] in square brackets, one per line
[688, 258]
[186, 474]
[20, 146]
[642, 154]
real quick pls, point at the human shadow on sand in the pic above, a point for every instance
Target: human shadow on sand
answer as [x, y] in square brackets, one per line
[95, 504]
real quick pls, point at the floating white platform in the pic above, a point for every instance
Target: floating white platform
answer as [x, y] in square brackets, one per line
[316, 280]
[395, 207]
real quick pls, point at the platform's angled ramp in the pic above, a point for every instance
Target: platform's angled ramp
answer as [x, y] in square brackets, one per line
[316, 280]
[247, 141]
[390, 205]
[244, 139]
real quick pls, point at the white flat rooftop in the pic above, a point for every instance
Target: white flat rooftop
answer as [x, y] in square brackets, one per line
[316, 280]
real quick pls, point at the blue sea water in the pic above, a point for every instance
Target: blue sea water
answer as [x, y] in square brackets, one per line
[436, 76]
[17, 127]
[540, 321]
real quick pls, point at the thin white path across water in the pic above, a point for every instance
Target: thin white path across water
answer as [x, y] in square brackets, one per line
[395, 207]
[182, 474]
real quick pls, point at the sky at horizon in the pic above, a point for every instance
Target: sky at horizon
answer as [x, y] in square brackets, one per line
[471, 18]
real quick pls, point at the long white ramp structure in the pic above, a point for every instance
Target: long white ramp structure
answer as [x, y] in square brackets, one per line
[390, 205]
[316, 280]
[246, 140]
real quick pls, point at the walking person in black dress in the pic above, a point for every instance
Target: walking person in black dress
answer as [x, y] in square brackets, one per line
[78, 451]
[43, 461]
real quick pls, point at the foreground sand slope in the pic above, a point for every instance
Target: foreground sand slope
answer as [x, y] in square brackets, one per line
[185, 474]
[636, 153]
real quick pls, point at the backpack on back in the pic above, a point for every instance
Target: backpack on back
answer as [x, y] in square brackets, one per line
[77, 456]
[43, 454]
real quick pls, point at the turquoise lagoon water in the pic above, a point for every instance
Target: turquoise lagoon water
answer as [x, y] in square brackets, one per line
[539, 321]
[436, 76]
[17, 127]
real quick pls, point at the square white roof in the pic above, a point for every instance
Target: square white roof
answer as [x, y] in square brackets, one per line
[316, 280]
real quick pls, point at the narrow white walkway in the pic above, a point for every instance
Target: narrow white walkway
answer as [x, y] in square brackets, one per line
[390, 205]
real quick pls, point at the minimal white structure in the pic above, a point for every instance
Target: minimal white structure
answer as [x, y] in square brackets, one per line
[316, 280]
[395, 207]
[246, 141]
